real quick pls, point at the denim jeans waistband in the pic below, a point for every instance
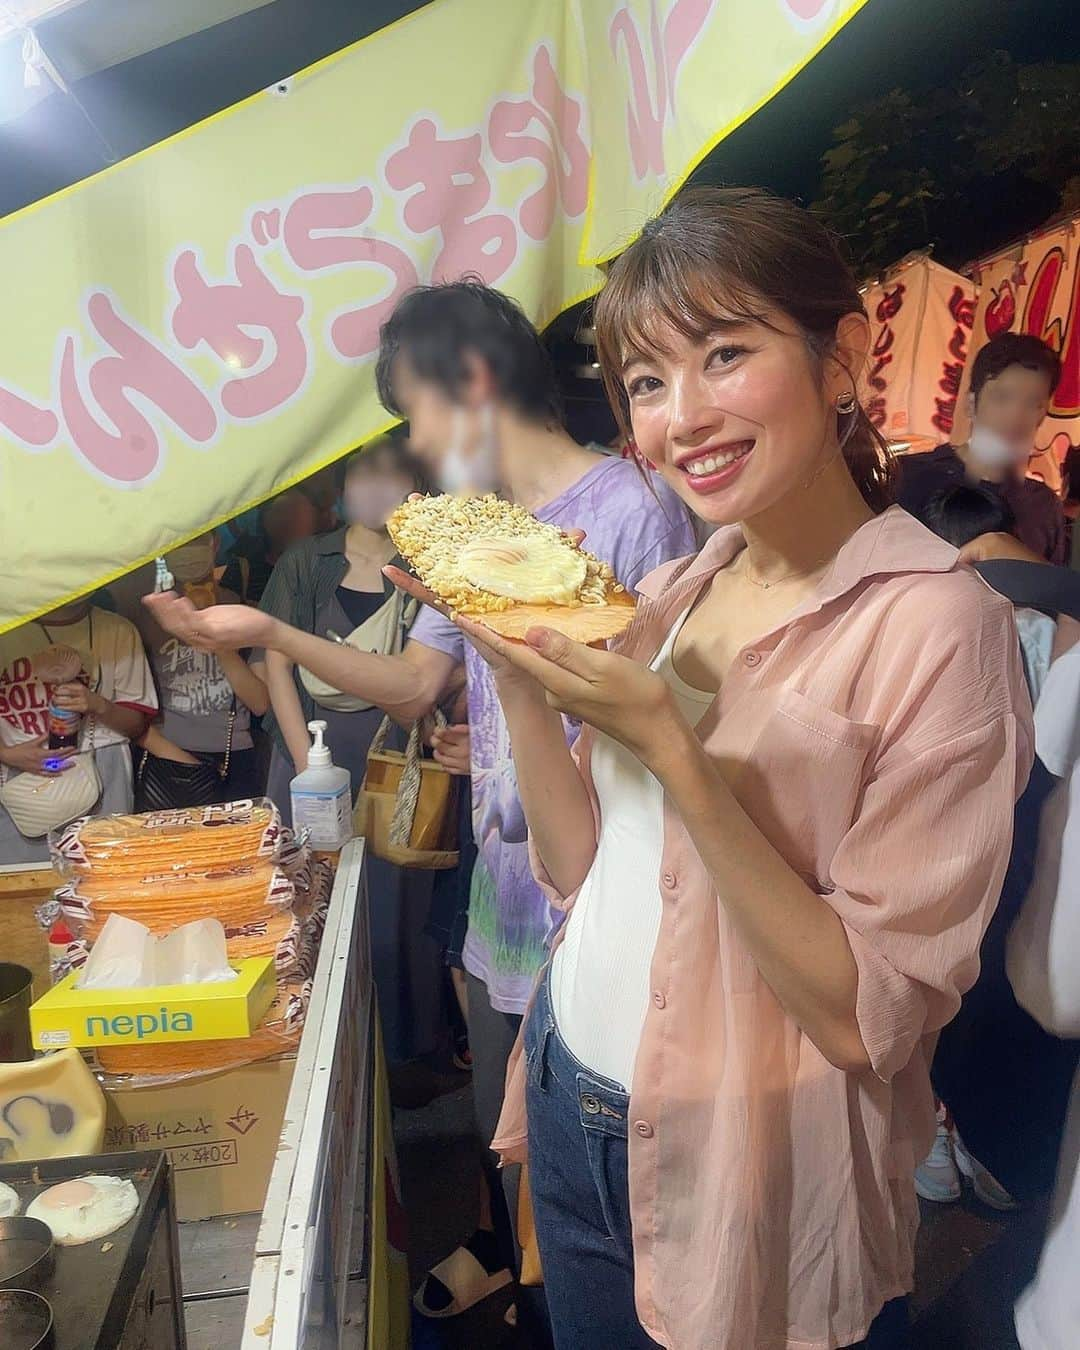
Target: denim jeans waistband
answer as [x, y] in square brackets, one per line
[602, 1105]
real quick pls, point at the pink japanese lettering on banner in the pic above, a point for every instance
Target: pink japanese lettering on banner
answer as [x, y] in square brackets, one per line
[1036, 289]
[31, 425]
[808, 12]
[115, 403]
[91, 399]
[95, 393]
[319, 235]
[560, 149]
[449, 191]
[652, 65]
[221, 315]
[1053, 314]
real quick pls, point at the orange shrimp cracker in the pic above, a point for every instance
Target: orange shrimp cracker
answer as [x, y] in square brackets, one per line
[187, 838]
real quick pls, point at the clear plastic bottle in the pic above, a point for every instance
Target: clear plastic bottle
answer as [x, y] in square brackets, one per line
[322, 797]
[58, 665]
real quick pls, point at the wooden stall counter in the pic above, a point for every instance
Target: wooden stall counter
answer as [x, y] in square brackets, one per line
[22, 940]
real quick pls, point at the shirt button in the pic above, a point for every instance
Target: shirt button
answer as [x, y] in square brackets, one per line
[752, 659]
[590, 1104]
[659, 1001]
[644, 1129]
[669, 880]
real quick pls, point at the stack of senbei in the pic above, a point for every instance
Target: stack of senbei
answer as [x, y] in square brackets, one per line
[235, 863]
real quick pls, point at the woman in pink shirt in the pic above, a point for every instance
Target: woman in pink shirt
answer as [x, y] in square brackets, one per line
[780, 837]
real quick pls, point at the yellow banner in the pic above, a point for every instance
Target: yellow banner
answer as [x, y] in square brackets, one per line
[195, 328]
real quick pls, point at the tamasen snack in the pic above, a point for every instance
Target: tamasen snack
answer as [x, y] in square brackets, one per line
[494, 562]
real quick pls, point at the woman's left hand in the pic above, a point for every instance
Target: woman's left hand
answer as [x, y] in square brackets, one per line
[451, 747]
[622, 698]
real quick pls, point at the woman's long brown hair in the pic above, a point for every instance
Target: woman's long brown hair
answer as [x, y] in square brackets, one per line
[737, 252]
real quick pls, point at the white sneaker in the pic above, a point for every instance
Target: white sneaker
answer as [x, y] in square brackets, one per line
[937, 1178]
[985, 1185]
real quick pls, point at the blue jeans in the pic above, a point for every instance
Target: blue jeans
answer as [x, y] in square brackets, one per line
[581, 1201]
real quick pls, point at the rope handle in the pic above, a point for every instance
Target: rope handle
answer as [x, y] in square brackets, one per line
[408, 793]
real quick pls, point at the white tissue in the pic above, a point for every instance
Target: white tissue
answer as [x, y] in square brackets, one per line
[194, 954]
[128, 956]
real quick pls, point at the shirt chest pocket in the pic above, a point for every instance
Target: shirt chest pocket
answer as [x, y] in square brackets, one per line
[802, 781]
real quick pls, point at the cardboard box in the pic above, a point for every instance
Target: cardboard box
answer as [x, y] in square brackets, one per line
[220, 1132]
[168, 1012]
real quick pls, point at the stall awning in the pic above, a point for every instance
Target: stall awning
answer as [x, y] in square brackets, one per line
[196, 326]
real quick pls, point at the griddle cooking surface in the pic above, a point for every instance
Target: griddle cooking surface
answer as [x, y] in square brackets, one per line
[85, 1277]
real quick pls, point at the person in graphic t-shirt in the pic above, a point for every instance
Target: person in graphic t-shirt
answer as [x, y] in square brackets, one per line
[207, 698]
[1013, 379]
[469, 372]
[115, 696]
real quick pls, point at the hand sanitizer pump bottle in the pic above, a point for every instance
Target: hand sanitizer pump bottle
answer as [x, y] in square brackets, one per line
[322, 797]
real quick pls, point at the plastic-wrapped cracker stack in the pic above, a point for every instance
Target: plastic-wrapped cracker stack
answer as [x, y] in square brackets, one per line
[235, 863]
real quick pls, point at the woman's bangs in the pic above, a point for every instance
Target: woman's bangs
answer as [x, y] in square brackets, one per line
[661, 294]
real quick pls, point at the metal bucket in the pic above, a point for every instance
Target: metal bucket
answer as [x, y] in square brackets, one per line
[16, 983]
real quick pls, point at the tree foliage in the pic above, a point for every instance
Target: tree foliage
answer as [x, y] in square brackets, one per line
[950, 166]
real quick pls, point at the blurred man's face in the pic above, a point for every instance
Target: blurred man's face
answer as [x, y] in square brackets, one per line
[456, 439]
[432, 416]
[1013, 405]
[288, 519]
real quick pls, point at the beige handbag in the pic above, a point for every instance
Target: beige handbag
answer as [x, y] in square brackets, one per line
[383, 633]
[39, 802]
[405, 809]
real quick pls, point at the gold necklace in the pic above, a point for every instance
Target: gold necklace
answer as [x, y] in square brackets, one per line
[787, 576]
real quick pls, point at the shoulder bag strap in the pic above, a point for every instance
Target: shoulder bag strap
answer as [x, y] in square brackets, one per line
[223, 768]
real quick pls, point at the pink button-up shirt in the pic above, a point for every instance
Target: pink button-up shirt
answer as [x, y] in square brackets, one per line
[879, 739]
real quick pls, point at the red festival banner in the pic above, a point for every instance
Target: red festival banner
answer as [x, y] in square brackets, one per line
[921, 317]
[1035, 288]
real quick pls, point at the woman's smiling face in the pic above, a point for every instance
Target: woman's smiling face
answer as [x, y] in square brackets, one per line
[735, 420]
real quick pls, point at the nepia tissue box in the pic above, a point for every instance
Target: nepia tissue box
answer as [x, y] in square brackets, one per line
[168, 1012]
